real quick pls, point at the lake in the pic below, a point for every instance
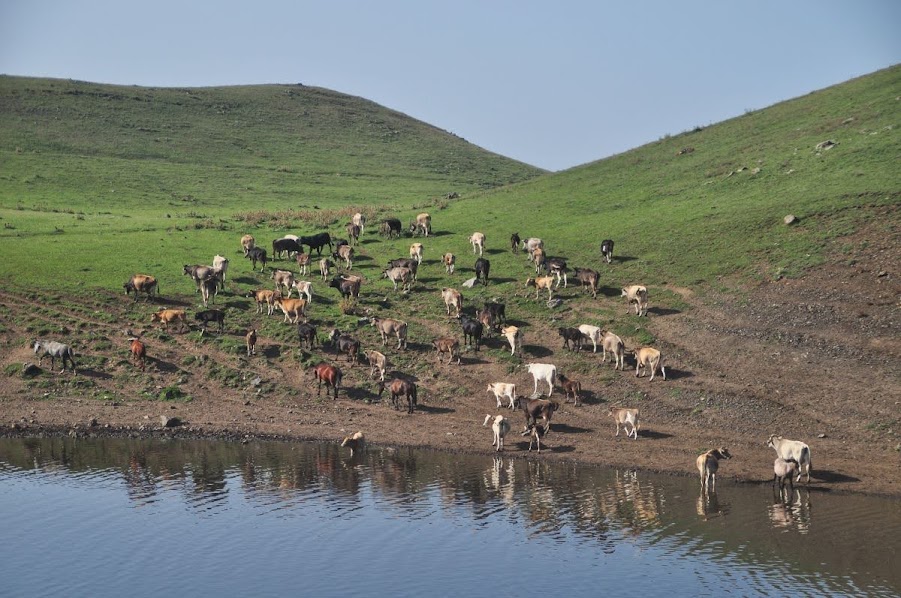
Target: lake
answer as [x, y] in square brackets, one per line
[116, 517]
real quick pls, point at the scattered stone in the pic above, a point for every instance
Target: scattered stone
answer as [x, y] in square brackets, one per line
[755, 170]
[169, 422]
[29, 370]
[821, 436]
[790, 219]
[825, 145]
[256, 382]
[470, 283]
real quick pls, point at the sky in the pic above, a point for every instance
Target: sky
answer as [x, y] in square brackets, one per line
[554, 84]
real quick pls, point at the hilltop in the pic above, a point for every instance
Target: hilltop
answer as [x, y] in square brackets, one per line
[765, 327]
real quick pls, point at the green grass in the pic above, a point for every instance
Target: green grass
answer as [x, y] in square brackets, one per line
[98, 182]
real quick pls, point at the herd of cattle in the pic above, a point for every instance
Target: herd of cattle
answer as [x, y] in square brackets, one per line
[549, 274]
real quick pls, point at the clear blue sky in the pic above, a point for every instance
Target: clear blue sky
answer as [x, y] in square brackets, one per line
[555, 84]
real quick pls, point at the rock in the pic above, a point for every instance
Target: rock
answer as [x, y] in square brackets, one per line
[824, 145]
[169, 422]
[790, 219]
[470, 283]
[821, 436]
[256, 382]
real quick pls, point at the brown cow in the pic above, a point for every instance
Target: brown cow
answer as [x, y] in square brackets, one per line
[167, 316]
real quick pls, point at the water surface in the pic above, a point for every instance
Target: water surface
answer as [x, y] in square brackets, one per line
[105, 517]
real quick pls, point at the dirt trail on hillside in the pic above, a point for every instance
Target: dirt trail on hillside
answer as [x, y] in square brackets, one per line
[815, 359]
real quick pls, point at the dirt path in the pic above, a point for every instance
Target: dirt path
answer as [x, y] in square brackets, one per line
[815, 359]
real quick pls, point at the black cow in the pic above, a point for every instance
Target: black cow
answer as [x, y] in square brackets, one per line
[390, 227]
[498, 309]
[472, 331]
[211, 315]
[306, 333]
[345, 344]
[572, 338]
[607, 249]
[482, 267]
[288, 246]
[317, 242]
[257, 254]
[347, 288]
[514, 242]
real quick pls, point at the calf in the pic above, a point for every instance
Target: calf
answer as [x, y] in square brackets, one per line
[514, 242]
[503, 390]
[472, 331]
[378, 364]
[345, 344]
[390, 228]
[593, 333]
[544, 372]
[638, 295]
[168, 316]
[649, 358]
[359, 220]
[451, 346]
[353, 231]
[557, 267]
[452, 298]
[346, 253]
[247, 243]
[482, 268]
[785, 468]
[306, 335]
[422, 225]
[489, 322]
[388, 327]
[264, 296]
[400, 387]
[449, 260]
[617, 348]
[257, 254]
[325, 267]
[141, 283]
[210, 315]
[284, 245]
[535, 434]
[708, 464]
[540, 260]
[209, 289]
[404, 276]
[498, 309]
[303, 263]
[138, 352]
[572, 338]
[250, 339]
[607, 250]
[570, 387]
[329, 375]
[542, 282]
[356, 442]
[623, 417]
[531, 244]
[293, 309]
[501, 427]
[304, 288]
[514, 337]
[404, 262]
[416, 252]
[478, 242]
[589, 279]
[792, 449]
[283, 278]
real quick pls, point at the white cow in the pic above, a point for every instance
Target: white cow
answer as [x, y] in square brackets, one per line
[500, 427]
[594, 333]
[792, 449]
[501, 390]
[478, 242]
[544, 372]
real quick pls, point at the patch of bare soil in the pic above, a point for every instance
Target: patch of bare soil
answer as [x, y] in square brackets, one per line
[815, 359]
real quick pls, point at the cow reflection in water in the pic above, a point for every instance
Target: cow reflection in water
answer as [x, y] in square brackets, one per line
[790, 510]
[499, 479]
[709, 506]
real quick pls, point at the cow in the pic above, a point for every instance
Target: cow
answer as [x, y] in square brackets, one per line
[347, 288]
[317, 242]
[284, 245]
[589, 279]
[303, 262]
[544, 372]
[449, 260]
[378, 364]
[388, 327]
[346, 253]
[55, 350]
[220, 267]
[482, 267]
[198, 273]
[306, 335]
[353, 231]
[264, 296]
[472, 331]
[416, 252]
[138, 352]
[451, 346]
[168, 316]
[452, 298]
[649, 358]
[607, 250]
[250, 339]
[535, 409]
[503, 390]
[400, 387]
[141, 283]
[247, 243]
[422, 225]
[514, 242]
[400, 275]
[257, 254]
[359, 220]
[345, 344]
[329, 375]
[210, 315]
[293, 309]
[478, 242]
[404, 262]
[708, 464]
[638, 295]
[514, 337]
[390, 227]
